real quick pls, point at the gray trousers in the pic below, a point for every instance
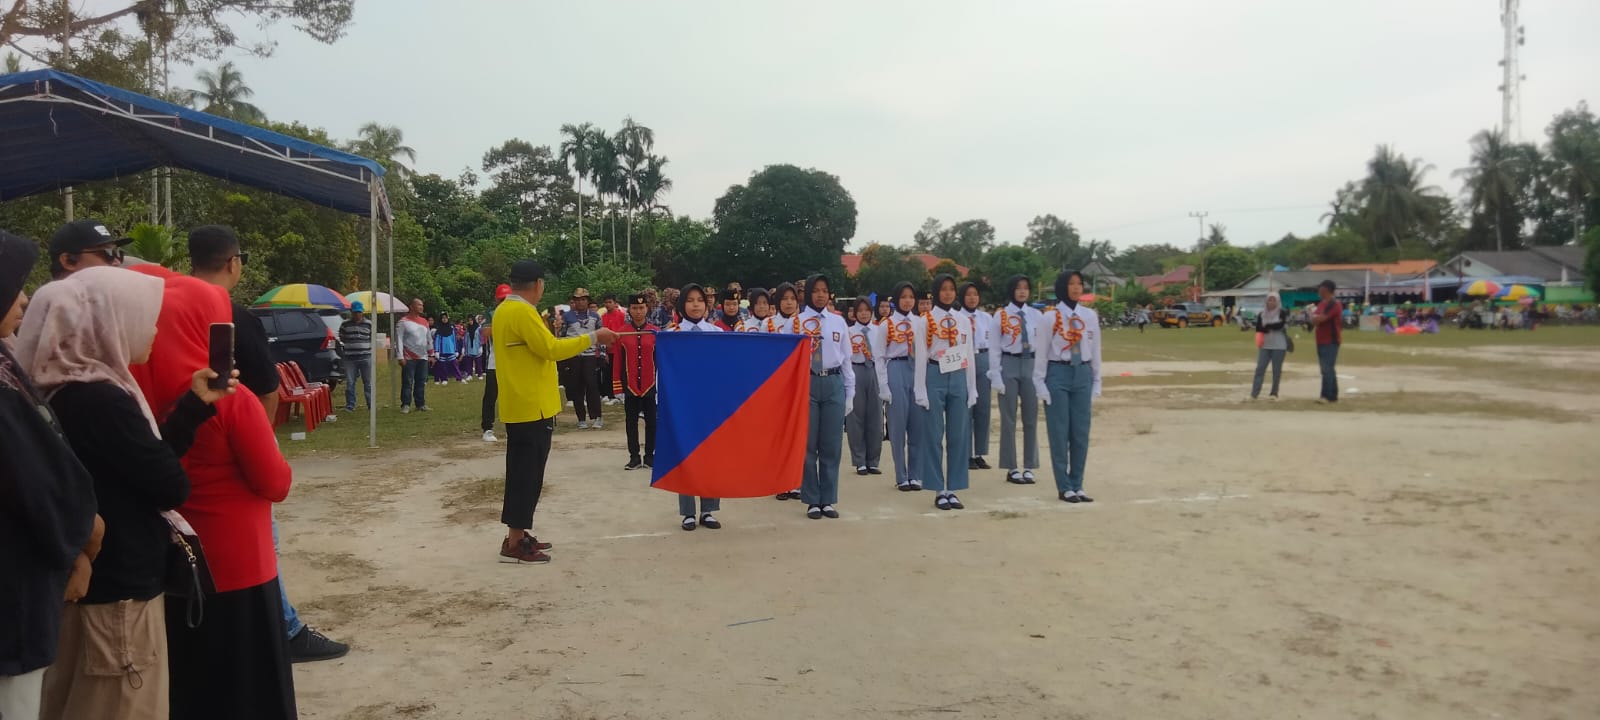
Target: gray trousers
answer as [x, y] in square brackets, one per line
[864, 425]
[905, 423]
[1067, 420]
[980, 412]
[819, 482]
[707, 505]
[1263, 358]
[947, 442]
[1016, 373]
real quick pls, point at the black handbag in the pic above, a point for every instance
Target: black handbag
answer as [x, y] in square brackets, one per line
[188, 576]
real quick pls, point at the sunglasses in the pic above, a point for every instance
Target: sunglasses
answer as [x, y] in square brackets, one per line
[113, 254]
[244, 257]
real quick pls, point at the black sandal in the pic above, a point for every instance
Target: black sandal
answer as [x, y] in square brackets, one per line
[710, 522]
[688, 523]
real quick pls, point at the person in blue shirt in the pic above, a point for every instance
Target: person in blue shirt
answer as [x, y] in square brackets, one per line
[446, 352]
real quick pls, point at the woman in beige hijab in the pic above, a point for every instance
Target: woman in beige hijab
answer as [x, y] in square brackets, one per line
[77, 341]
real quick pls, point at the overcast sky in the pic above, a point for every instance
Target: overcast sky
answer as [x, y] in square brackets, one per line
[1120, 117]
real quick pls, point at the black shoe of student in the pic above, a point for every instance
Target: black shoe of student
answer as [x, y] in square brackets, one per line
[955, 503]
[633, 464]
[829, 512]
[972, 463]
[710, 522]
[1084, 498]
[649, 461]
[861, 470]
[1071, 498]
[308, 645]
[873, 471]
[903, 487]
[688, 523]
[814, 512]
[982, 464]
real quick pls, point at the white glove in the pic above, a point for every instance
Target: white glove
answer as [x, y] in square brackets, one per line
[922, 402]
[886, 397]
[849, 405]
[998, 385]
[1043, 393]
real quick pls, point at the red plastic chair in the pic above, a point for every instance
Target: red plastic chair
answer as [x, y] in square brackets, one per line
[290, 394]
[322, 390]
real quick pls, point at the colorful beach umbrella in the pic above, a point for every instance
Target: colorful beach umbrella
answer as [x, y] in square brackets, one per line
[1516, 292]
[1481, 288]
[383, 303]
[302, 295]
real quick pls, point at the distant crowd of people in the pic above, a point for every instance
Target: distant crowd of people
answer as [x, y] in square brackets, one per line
[140, 572]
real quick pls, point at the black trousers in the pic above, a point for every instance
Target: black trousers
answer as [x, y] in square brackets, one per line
[632, 406]
[527, 450]
[583, 386]
[491, 395]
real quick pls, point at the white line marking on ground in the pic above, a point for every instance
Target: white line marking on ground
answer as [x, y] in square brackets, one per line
[1202, 497]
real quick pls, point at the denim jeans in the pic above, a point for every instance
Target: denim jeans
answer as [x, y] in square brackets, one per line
[414, 383]
[1327, 355]
[1265, 357]
[353, 368]
[291, 617]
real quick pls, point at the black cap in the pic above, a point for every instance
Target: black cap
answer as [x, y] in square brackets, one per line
[637, 299]
[80, 235]
[526, 271]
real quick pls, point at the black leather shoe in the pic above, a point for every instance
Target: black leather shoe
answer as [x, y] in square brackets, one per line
[633, 464]
[955, 503]
[814, 512]
[710, 522]
[1068, 498]
[861, 470]
[972, 463]
[829, 512]
[688, 523]
[981, 463]
[873, 471]
[1015, 478]
[1084, 498]
[904, 487]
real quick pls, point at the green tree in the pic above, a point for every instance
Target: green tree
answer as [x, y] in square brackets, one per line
[678, 254]
[1003, 261]
[1217, 237]
[387, 145]
[1395, 202]
[577, 148]
[634, 143]
[1133, 293]
[964, 242]
[206, 26]
[928, 234]
[1493, 185]
[1227, 267]
[1591, 265]
[884, 266]
[1056, 241]
[224, 93]
[532, 180]
[785, 222]
[1144, 259]
[1575, 149]
[598, 278]
[1338, 246]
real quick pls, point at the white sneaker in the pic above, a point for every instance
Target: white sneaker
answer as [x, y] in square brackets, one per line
[488, 436]
[597, 424]
[583, 424]
[405, 410]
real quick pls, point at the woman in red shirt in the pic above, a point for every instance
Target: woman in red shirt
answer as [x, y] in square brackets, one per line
[234, 664]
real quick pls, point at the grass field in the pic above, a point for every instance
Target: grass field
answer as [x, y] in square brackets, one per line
[1468, 353]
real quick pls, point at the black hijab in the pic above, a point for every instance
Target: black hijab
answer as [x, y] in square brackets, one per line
[811, 284]
[779, 292]
[1061, 287]
[17, 256]
[855, 307]
[899, 291]
[961, 296]
[758, 293]
[683, 301]
[1011, 290]
[938, 282]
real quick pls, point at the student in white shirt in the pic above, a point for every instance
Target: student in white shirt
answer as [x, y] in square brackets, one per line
[833, 388]
[892, 356]
[946, 388]
[1066, 373]
[1017, 329]
[693, 310]
[864, 426]
[786, 319]
[982, 340]
[760, 310]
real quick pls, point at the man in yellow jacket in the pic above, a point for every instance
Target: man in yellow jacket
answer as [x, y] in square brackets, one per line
[526, 354]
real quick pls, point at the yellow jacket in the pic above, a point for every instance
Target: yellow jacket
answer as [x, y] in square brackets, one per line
[525, 356]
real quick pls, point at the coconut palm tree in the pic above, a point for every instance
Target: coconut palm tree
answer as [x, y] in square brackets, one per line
[1394, 199]
[603, 170]
[635, 142]
[386, 144]
[1493, 181]
[1577, 156]
[577, 149]
[224, 93]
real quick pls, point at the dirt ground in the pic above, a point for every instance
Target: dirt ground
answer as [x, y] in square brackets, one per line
[1427, 549]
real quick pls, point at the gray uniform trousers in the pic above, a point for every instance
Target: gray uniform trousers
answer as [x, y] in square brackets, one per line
[864, 425]
[1016, 372]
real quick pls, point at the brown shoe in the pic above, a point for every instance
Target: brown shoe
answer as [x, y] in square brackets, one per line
[525, 550]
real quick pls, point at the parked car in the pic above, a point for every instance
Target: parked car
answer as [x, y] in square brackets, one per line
[1187, 314]
[300, 335]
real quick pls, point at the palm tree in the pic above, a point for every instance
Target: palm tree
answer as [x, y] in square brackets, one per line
[607, 180]
[1578, 171]
[635, 142]
[1493, 180]
[1394, 198]
[225, 94]
[577, 148]
[1344, 202]
[386, 144]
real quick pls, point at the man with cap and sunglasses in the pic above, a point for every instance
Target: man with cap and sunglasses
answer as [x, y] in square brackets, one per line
[491, 388]
[529, 402]
[84, 244]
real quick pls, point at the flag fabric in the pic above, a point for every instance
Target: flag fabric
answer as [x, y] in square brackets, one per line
[732, 413]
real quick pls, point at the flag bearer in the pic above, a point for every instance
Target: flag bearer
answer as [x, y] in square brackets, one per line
[833, 387]
[1066, 373]
[892, 356]
[946, 388]
[865, 423]
[785, 320]
[693, 311]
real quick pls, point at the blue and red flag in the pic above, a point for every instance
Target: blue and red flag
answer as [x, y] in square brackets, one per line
[732, 415]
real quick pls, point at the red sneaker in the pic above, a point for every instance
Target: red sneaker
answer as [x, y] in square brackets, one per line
[525, 550]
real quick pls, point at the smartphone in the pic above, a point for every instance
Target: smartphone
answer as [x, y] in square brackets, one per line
[221, 355]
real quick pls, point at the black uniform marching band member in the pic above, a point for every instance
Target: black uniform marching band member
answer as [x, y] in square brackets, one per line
[982, 341]
[692, 313]
[864, 426]
[1066, 373]
[730, 316]
[832, 394]
[633, 376]
[892, 357]
[785, 320]
[924, 302]
[946, 389]
[1017, 326]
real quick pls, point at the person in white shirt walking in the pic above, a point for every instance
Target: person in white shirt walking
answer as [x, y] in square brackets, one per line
[1017, 327]
[1066, 373]
[946, 388]
[982, 341]
[833, 389]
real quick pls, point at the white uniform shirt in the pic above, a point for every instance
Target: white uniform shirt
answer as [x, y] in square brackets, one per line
[1008, 320]
[1053, 347]
[883, 351]
[777, 323]
[926, 353]
[861, 343]
[830, 330]
[687, 325]
[751, 324]
[982, 329]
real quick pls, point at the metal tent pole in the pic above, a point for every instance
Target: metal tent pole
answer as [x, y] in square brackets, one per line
[394, 350]
[372, 358]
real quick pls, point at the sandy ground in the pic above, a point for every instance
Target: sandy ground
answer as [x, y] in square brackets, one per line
[1242, 562]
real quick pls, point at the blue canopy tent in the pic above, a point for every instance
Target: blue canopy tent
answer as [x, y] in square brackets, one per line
[58, 130]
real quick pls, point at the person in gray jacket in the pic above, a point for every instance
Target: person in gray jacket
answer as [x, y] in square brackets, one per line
[1272, 324]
